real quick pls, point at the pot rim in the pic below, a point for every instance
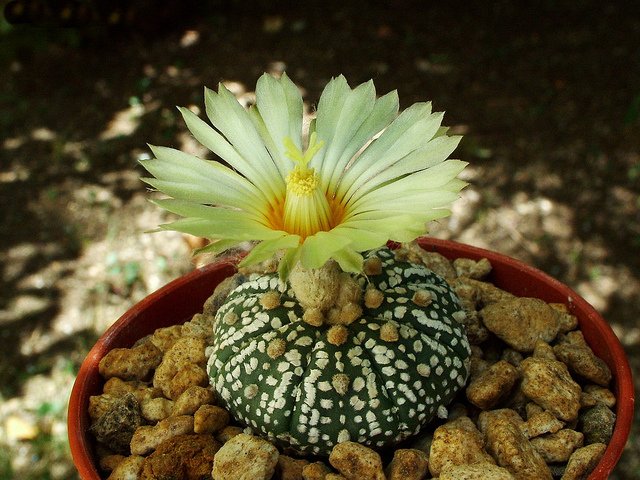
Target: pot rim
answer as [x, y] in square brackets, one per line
[607, 346]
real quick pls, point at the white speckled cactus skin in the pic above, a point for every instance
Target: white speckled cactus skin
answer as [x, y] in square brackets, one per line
[311, 394]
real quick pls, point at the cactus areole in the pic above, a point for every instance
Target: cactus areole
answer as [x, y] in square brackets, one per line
[393, 368]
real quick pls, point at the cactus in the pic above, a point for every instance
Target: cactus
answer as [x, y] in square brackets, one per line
[309, 387]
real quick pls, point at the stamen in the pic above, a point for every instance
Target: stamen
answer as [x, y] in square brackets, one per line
[306, 209]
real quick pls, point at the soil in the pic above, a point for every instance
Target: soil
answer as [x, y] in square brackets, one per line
[548, 98]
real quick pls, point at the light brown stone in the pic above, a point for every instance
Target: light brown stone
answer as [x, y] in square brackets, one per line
[127, 469]
[520, 322]
[477, 471]
[184, 351]
[191, 400]
[245, 457]
[289, 468]
[540, 423]
[315, 471]
[189, 375]
[164, 338]
[467, 267]
[583, 461]
[210, 419]
[558, 447]
[574, 351]
[457, 443]
[156, 409]
[594, 394]
[228, 433]
[511, 449]
[408, 464]
[356, 462]
[130, 363]
[492, 385]
[487, 417]
[548, 383]
[146, 438]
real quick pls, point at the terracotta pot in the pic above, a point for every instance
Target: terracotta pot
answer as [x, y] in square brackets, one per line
[180, 299]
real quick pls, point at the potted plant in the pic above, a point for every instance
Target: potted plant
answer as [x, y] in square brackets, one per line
[338, 339]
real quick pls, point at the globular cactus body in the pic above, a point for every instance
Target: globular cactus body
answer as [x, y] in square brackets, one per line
[401, 361]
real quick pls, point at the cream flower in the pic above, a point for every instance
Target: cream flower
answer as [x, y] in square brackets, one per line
[368, 174]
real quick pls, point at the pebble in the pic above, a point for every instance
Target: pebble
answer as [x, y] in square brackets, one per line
[457, 443]
[245, 457]
[356, 462]
[408, 464]
[583, 461]
[478, 471]
[597, 424]
[548, 383]
[511, 449]
[289, 468]
[127, 469]
[187, 456]
[558, 447]
[574, 351]
[520, 322]
[117, 426]
[315, 471]
[492, 384]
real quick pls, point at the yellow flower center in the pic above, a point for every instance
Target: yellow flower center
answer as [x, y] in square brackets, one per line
[306, 209]
[302, 182]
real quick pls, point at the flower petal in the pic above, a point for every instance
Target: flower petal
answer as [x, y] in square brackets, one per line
[361, 239]
[277, 115]
[234, 122]
[223, 228]
[268, 248]
[217, 246]
[214, 141]
[412, 129]
[349, 260]
[196, 210]
[179, 167]
[384, 111]
[319, 248]
[433, 153]
[426, 181]
[336, 127]
[409, 202]
[288, 261]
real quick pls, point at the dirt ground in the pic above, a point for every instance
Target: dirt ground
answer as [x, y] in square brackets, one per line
[548, 99]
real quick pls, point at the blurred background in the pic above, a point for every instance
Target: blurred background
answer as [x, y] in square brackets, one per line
[547, 96]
